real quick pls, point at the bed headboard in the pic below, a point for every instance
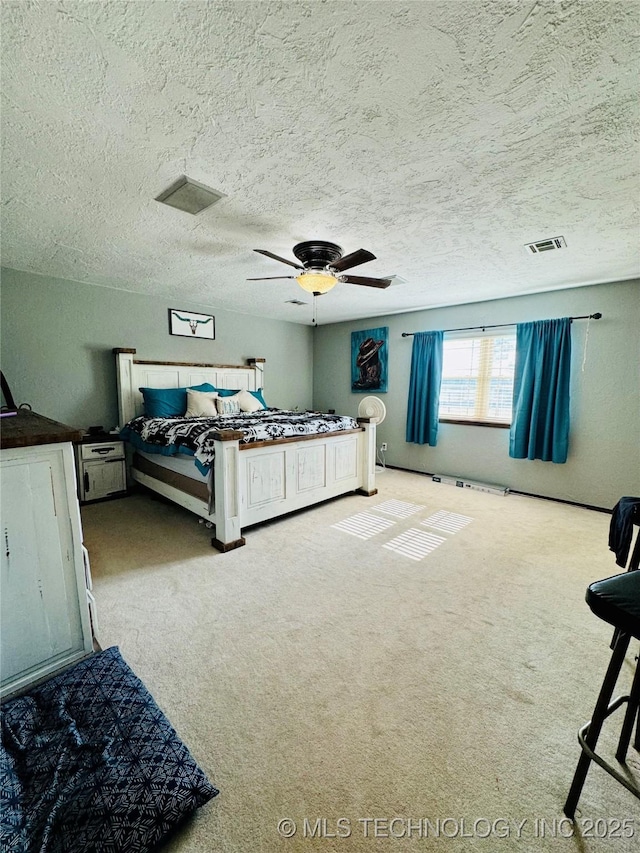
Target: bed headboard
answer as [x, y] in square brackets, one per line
[133, 373]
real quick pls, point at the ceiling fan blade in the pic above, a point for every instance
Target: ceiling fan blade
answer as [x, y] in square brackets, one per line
[278, 258]
[270, 277]
[367, 282]
[361, 256]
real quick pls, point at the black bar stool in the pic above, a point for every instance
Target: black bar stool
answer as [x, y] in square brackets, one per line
[617, 601]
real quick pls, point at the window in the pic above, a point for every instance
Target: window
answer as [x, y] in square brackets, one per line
[477, 378]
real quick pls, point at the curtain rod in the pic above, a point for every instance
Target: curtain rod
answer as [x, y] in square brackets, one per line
[595, 316]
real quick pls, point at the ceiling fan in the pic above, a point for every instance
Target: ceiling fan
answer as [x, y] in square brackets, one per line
[321, 266]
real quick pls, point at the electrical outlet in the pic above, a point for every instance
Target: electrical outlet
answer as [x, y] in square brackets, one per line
[383, 446]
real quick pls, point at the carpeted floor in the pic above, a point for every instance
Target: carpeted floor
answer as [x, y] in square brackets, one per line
[373, 699]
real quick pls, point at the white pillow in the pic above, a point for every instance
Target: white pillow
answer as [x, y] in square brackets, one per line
[229, 405]
[248, 402]
[201, 404]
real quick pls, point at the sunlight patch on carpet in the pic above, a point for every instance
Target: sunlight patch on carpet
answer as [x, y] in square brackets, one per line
[449, 522]
[401, 509]
[414, 543]
[364, 525]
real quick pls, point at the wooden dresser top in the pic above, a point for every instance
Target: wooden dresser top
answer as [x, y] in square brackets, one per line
[28, 428]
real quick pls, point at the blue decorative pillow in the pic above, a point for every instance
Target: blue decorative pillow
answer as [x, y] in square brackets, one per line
[89, 762]
[258, 395]
[168, 402]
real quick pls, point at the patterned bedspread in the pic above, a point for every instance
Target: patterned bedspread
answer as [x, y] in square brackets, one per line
[195, 436]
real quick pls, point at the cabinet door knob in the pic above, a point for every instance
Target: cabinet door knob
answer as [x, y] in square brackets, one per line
[86, 481]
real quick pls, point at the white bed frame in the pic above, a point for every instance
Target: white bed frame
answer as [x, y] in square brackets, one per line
[251, 483]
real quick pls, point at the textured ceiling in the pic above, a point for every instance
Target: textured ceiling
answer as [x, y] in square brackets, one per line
[441, 136]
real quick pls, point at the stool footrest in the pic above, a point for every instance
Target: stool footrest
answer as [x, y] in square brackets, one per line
[584, 733]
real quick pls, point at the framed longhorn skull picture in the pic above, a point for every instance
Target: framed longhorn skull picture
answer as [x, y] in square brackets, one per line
[191, 325]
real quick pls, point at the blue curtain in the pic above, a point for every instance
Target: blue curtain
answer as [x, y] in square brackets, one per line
[424, 388]
[540, 421]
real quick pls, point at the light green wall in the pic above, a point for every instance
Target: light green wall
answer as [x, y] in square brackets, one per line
[57, 338]
[604, 453]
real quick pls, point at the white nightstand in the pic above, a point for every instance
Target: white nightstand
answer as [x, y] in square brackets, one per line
[101, 468]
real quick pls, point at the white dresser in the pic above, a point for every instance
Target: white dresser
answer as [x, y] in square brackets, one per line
[45, 621]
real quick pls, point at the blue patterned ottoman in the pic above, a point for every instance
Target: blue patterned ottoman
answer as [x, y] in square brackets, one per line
[90, 763]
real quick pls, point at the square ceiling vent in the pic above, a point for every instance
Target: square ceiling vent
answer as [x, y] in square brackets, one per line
[189, 195]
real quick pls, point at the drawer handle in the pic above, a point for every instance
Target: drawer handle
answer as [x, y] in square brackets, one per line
[102, 449]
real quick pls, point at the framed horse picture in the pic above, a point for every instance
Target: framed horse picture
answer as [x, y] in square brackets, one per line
[369, 360]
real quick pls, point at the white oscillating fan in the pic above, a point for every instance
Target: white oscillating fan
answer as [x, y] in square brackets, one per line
[374, 409]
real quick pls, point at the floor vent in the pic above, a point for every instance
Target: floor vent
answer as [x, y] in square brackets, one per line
[364, 525]
[414, 543]
[547, 245]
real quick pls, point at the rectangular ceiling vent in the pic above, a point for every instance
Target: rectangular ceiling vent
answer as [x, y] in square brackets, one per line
[189, 195]
[547, 245]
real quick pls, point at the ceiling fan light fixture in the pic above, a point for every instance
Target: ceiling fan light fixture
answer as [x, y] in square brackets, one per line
[316, 282]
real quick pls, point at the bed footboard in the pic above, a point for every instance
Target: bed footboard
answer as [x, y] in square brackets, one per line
[257, 483]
